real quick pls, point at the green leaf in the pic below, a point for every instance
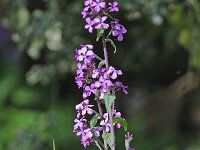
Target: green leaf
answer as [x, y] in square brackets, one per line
[101, 64]
[109, 99]
[94, 120]
[107, 138]
[122, 121]
[54, 147]
[113, 44]
[100, 32]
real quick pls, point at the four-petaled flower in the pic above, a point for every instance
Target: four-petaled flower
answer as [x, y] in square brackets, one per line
[98, 5]
[113, 6]
[89, 25]
[100, 23]
[118, 30]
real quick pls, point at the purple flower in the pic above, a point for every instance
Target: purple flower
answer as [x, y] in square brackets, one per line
[80, 69]
[84, 12]
[79, 123]
[89, 25]
[113, 7]
[118, 30]
[120, 86]
[85, 54]
[105, 123]
[79, 82]
[96, 131]
[88, 2]
[88, 90]
[100, 23]
[84, 108]
[95, 73]
[114, 73]
[98, 4]
[86, 138]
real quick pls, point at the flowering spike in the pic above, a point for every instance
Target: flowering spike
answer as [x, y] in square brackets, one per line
[99, 81]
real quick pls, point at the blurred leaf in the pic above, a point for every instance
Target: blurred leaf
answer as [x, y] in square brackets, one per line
[184, 37]
[35, 48]
[23, 17]
[26, 96]
[196, 57]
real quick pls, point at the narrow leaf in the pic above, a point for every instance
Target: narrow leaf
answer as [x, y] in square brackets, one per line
[113, 44]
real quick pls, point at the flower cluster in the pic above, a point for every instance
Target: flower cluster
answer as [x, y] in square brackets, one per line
[96, 15]
[95, 80]
[80, 124]
[105, 122]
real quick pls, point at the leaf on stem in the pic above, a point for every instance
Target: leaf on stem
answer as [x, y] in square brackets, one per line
[109, 99]
[113, 44]
[94, 120]
[122, 121]
[107, 138]
[100, 32]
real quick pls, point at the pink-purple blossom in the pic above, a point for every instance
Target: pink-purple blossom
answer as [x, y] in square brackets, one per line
[98, 5]
[89, 25]
[118, 30]
[113, 6]
[100, 23]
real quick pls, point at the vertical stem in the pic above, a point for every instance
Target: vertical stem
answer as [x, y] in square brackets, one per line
[101, 113]
[110, 112]
[105, 51]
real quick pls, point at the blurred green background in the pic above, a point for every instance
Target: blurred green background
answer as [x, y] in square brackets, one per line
[160, 57]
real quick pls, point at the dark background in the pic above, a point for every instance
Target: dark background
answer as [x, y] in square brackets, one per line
[160, 58]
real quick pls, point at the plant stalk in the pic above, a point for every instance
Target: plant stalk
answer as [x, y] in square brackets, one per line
[110, 112]
[101, 113]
